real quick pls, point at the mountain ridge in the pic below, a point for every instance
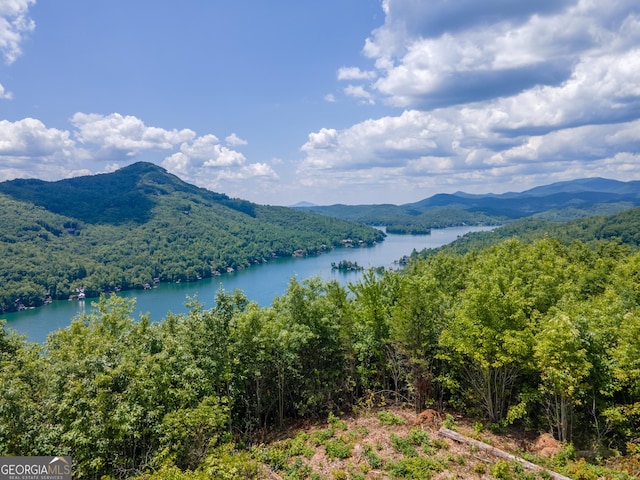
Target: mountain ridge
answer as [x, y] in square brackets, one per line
[140, 225]
[561, 201]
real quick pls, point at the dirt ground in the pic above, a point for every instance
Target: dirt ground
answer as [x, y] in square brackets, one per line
[372, 431]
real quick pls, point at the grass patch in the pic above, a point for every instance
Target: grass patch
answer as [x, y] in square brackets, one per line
[320, 437]
[389, 418]
[372, 457]
[338, 448]
[418, 437]
[403, 445]
[418, 468]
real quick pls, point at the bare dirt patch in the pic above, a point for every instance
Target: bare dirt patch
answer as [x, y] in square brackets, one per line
[394, 442]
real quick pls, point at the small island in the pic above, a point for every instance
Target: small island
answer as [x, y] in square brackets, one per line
[346, 266]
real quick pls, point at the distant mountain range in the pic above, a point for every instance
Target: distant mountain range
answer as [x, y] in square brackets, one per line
[559, 201]
[138, 226]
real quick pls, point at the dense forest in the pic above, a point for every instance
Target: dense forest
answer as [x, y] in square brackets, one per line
[622, 227]
[543, 335]
[138, 225]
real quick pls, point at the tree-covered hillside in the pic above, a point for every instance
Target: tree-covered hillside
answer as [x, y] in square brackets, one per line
[125, 229]
[622, 227]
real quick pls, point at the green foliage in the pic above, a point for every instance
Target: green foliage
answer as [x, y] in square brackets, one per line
[562, 361]
[320, 437]
[480, 468]
[449, 422]
[403, 445]
[22, 380]
[190, 433]
[418, 468]
[338, 448]
[372, 457]
[389, 418]
[418, 437]
[501, 470]
[226, 463]
[619, 228]
[339, 475]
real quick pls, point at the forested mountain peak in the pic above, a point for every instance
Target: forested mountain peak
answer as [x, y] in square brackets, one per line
[126, 195]
[140, 225]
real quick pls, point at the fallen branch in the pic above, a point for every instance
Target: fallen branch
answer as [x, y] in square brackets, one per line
[445, 432]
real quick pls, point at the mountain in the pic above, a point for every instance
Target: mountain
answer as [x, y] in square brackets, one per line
[303, 204]
[124, 229]
[558, 201]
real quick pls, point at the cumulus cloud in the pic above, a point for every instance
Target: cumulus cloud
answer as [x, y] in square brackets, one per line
[235, 141]
[205, 162]
[464, 149]
[206, 151]
[116, 134]
[28, 145]
[359, 92]
[15, 24]
[354, 73]
[492, 92]
[252, 170]
[386, 142]
[446, 53]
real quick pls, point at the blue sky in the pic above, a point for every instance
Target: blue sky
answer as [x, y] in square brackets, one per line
[340, 101]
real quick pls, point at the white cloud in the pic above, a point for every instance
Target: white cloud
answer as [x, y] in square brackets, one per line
[354, 73]
[329, 97]
[30, 137]
[441, 53]
[205, 162]
[29, 149]
[14, 25]
[4, 95]
[463, 149]
[206, 151]
[224, 157]
[385, 142]
[235, 141]
[358, 91]
[201, 148]
[127, 135]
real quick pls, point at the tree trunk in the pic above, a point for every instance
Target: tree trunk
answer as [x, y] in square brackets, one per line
[445, 432]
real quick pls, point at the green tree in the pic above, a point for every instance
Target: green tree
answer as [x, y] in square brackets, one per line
[561, 358]
[22, 385]
[418, 319]
[374, 299]
[491, 336]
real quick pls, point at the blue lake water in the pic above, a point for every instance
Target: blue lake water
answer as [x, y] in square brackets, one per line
[261, 283]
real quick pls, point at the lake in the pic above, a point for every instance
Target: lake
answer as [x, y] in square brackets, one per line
[261, 283]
